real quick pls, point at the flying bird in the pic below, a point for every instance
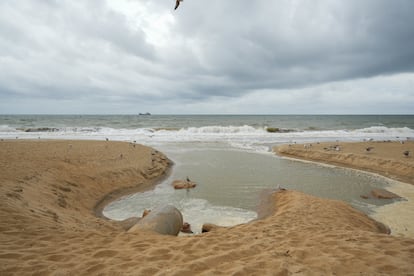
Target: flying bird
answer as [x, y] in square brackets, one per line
[177, 3]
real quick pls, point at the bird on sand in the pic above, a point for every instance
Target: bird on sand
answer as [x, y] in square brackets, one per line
[406, 153]
[368, 149]
[177, 3]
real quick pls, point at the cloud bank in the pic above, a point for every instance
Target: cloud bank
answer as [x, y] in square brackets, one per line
[130, 56]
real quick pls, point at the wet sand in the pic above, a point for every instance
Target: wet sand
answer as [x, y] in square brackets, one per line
[51, 192]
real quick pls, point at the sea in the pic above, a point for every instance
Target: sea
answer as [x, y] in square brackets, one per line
[229, 157]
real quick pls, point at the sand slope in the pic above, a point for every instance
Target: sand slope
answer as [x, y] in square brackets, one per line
[48, 226]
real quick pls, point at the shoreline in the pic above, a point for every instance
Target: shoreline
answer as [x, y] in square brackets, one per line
[125, 191]
[51, 191]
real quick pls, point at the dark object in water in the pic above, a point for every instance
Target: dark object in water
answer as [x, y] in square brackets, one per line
[278, 130]
[207, 227]
[186, 228]
[41, 129]
[383, 194]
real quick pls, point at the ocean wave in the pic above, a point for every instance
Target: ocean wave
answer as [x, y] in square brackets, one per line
[40, 129]
[383, 129]
[223, 129]
[246, 129]
[7, 128]
[240, 134]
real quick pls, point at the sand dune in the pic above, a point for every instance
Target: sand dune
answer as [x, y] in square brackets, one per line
[48, 223]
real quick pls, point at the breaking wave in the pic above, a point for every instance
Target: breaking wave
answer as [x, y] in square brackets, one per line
[241, 137]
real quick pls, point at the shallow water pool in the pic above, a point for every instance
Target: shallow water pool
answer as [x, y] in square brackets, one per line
[230, 183]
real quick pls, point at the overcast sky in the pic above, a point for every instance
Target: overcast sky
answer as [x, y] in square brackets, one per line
[216, 56]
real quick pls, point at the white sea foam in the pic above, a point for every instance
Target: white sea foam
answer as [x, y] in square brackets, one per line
[200, 211]
[387, 130]
[243, 137]
[7, 128]
[223, 130]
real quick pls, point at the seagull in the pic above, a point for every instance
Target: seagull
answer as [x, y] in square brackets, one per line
[279, 188]
[177, 3]
[368, 149]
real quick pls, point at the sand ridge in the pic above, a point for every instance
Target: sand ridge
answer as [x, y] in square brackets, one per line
[49, 191]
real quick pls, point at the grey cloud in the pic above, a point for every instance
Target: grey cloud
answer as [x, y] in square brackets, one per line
[321, 42]
[85, 51]
[56, 50]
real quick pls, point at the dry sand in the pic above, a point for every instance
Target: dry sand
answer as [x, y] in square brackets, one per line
[48, 223]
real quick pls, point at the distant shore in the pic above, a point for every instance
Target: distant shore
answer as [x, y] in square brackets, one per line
[51, 192]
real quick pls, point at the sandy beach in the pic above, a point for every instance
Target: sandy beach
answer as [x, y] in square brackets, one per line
[382, 157]
[385, 158]
[52, 193]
